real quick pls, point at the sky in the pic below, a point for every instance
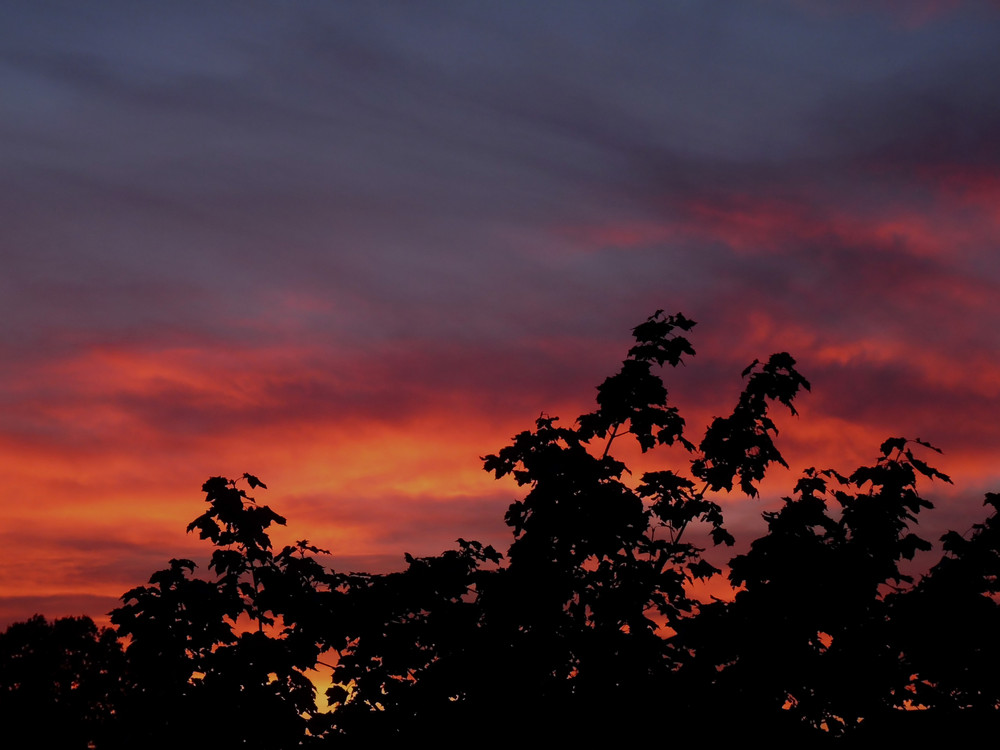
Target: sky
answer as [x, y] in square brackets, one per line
[353, 247]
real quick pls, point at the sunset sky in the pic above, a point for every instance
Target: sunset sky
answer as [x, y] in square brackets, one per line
[351, 247]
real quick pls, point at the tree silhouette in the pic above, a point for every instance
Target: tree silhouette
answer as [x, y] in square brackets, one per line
[585, 627]
[211, 659]
[945, 630]
[60, 683]
[572, 626]
[808, 639]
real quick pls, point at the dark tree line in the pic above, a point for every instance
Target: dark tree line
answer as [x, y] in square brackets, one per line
[585, 627]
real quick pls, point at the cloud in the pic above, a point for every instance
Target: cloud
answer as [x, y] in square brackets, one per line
[352, 249]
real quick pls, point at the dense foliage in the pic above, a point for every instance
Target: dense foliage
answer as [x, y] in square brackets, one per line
[585, 626]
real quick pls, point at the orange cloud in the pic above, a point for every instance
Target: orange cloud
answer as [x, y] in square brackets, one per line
[372, 454]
